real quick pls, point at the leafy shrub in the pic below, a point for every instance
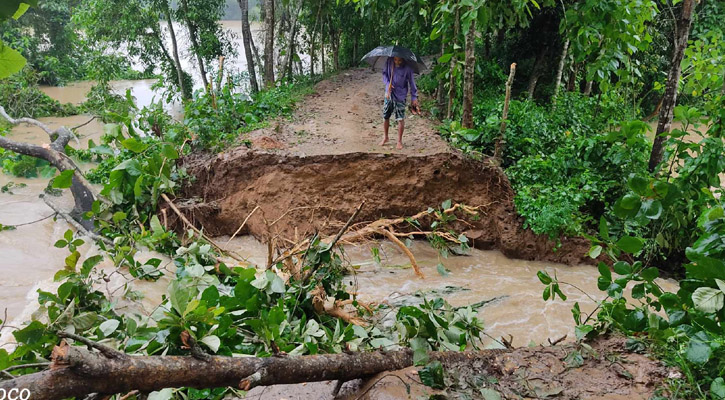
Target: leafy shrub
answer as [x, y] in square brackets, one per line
[678, 211]
[21, 97]
[218, 119]
[564, 169]
[101, 100]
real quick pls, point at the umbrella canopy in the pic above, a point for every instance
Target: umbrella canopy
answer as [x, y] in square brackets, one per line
[378, 57]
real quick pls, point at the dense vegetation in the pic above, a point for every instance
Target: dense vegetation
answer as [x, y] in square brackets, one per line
[577, 145]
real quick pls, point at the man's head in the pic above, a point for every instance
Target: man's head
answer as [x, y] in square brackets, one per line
[398, 61]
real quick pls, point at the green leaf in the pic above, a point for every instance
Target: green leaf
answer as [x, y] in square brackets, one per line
[64, 180]
[652, 209]
[72, 260]
[717, 389]
[603, 228]
[442, 270]
[547, 293]
[277, 284]
[109, 326]
[8, 8]
[604, 271]
[638, 184]
[698, 352]
[630, 201]
[622, 268]
[630, 244]
[708, 300]
[89, 263]
[164, 394]
[134, 145]
[595, 251]
[212, 341]
[84, 321]
[445, 58]
[119, 216]
[60, 244]
[582, 331]
[179, 296]
[131, 166]
[715, 213]
[544, 277]
[650, 274]
[156, 225]
[31, 334]
[432, 375]
[169, 152]
[11, 61]
[420, 350]
[446, 204]
[65, 290]
[22, 9]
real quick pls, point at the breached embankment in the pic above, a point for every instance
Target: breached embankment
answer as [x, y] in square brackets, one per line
[299, 195]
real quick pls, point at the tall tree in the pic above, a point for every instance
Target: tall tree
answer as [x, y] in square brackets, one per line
[269, 43]
[669, 100]
[560, 71]
[247, 38]
[194, 38]
[135, 25]
[454, 64]
[537, 70]
[185, 92]
[467, 120]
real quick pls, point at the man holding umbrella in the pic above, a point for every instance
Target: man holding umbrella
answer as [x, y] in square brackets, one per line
[398, 65]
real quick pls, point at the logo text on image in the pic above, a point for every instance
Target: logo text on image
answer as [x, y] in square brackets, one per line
[14, 394]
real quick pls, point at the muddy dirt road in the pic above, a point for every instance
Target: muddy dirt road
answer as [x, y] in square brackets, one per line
[344, 116]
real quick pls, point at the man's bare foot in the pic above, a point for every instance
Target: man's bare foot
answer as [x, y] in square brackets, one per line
[384, 142]
[399, 146]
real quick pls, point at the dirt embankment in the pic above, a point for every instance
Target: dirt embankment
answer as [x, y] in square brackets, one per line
[297, 196]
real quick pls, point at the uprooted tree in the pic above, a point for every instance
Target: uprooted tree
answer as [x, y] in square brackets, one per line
[54, 153]
[76, 371]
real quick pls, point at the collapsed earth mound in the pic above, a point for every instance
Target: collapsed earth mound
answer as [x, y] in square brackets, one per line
[296, 196]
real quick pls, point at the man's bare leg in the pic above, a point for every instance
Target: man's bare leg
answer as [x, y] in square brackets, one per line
[386, 126]
[401, 128]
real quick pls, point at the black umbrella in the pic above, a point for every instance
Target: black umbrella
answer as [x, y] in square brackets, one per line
[378, 57]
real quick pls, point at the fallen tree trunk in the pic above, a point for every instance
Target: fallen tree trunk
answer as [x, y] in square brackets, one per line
[76, 371]
[54, 153]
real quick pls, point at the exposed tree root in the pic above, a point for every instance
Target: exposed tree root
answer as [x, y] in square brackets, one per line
[385, 227]
[391, 236]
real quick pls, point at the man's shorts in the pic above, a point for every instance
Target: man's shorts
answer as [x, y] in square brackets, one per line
[391, 106]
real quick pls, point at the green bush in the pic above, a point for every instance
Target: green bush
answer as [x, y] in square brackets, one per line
[217, 120]
[564, 167]
[21, 97]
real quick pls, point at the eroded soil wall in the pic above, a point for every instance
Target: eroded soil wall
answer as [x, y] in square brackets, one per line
[299, 195]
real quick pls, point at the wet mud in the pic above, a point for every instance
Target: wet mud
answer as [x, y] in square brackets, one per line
[298, 196]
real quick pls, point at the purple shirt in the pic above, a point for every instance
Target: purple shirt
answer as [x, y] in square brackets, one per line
[402, 80]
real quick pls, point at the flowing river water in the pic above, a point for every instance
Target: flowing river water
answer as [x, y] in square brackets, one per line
[28, 259]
